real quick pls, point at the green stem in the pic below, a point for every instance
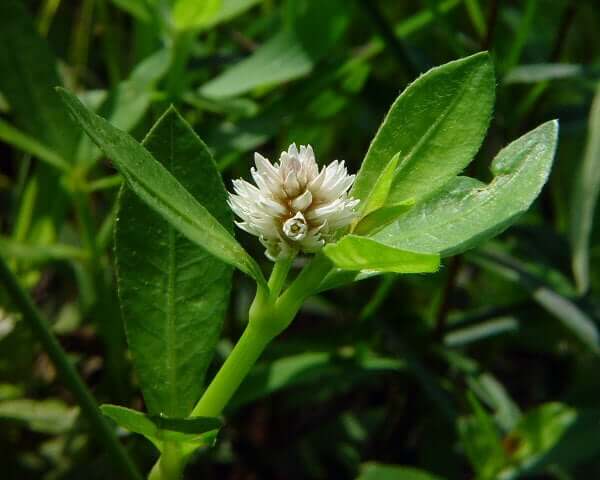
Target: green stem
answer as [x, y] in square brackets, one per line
[270, 314]
[68, 373]
[279, 275]
[268, 318]
[242, 358]
[306, 284]
[170, 465]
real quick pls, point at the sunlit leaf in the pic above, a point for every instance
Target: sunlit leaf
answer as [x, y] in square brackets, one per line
[359, 253]
[380, 190]
[467, 212]
[192, 14]
[437, 124]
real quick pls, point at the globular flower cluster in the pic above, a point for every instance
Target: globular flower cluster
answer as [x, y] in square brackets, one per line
[294, 205]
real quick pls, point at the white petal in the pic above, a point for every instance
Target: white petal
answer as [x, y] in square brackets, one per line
[338, 188]
[316, 183]
[291, 185]
[263, 165]
[325, 210]
[302, 202]
[274, 208]
[266, 186]
[293, 150]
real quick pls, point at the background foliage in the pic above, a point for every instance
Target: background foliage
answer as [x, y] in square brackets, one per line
[487, 369]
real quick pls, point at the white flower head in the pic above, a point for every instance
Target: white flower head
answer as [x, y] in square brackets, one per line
[294, 205]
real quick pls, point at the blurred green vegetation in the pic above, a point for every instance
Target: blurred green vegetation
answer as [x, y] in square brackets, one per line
[485, 370]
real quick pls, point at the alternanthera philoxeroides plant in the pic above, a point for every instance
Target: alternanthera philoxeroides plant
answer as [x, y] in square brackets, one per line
[407, 208]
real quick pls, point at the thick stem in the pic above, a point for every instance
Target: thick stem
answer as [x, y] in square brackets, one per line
[170, 465]
[86, 401]
[268, 317]
[244, 355]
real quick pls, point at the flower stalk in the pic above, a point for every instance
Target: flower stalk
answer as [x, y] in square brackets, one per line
[269, 315]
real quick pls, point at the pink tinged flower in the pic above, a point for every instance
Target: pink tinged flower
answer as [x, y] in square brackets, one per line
[294, 205]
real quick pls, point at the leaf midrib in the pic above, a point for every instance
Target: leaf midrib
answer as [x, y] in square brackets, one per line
[171, 308]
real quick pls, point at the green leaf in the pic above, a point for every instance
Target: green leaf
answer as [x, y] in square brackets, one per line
[132, 420]
[380, 471]
[380, 191]
[281, 59]
[158, 428]
[520, 36]
[229, 9]
[15, 137]
[541, 429]
[574, 319]
[289, 54]
[137, 8]
[376, 220]
[40, 254]
[493, 393]
[482, 331]
[308, 368]
[29, 75]
[554, 434]
[481, 441]
[438, 123]
[153, 183]
[173, 294]
[467, 212]
[585, 197]
[193, 425]
[126, 105]
[359, 253]
[193, 14]
[45, 416]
